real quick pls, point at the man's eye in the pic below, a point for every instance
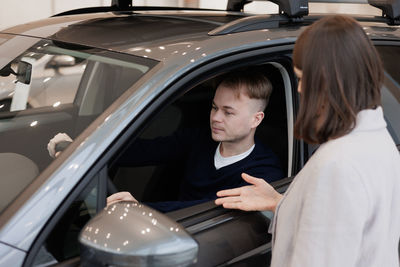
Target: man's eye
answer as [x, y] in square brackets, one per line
[228, 113]
[214, 107]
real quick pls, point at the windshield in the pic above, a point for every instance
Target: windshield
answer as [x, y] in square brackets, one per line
[47, 88]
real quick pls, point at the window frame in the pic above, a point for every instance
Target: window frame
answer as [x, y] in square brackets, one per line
[101, 177]
[280, 55]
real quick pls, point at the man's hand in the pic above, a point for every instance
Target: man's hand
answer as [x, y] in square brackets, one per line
[58, 138]
[120, 196]
[258, 196]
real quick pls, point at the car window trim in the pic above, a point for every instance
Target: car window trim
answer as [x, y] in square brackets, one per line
[201, 212]
[289, 113]
[60, 211]
[263, 249]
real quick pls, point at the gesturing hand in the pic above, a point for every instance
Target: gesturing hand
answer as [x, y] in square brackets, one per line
[258, 196]
[120, 196]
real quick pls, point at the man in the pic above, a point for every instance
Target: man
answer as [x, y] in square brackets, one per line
[215, 162]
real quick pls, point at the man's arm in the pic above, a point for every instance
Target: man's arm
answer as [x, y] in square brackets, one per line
[159, 150]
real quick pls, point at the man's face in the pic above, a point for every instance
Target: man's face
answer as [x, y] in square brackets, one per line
[232, 118]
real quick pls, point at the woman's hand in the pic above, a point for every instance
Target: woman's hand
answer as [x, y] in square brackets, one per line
[120, 196]
[258, 196]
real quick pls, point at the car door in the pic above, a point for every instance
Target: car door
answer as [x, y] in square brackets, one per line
[225, 237]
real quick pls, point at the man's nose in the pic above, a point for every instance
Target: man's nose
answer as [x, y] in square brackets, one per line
[216, 116]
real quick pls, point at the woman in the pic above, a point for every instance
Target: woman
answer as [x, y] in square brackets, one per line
[343, 207]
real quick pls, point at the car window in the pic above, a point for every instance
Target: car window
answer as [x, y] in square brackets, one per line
[49, 87]
[62, 242]
[391, 106]
[390, 56]
[159, 179]
[54, 81]
[152, 173]
[391, 88]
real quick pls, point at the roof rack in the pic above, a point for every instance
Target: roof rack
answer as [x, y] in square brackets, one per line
[290, 8]
[390, 10]
[121, 4]
[299, 8]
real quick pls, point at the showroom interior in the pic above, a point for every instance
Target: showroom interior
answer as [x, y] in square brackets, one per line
[18, 12]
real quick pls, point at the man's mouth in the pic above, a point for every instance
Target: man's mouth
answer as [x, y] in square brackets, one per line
[216, 129]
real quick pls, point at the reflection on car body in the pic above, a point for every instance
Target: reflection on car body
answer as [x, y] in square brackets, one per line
[107, 76]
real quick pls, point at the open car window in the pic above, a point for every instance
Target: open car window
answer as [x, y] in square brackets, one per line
[161, 182]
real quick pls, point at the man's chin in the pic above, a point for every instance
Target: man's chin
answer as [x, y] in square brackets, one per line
[217, 138]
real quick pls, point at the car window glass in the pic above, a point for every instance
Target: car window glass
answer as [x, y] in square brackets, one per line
[46, 75]
[391, 106]
[391, 88]
[390, 56]
[51, 87]
[62, 243]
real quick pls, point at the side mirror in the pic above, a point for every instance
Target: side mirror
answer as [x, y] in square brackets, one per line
[131, 234]
[24, 72]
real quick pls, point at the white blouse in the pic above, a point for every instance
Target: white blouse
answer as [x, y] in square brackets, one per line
[343, 207]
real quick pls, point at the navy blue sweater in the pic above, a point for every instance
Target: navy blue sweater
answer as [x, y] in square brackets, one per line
[195, 150]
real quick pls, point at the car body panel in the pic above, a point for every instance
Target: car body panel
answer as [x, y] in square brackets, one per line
[10, 256]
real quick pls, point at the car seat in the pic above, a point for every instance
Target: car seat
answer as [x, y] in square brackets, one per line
[18, 172]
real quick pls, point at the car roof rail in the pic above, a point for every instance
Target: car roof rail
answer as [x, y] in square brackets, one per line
[121, 4]
[259, 22]
[115, 8]
[289, 8]
[390, 10]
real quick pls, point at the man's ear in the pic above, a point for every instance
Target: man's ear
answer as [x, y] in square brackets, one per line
[257, 119]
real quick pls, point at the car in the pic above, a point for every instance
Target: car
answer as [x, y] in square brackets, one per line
[109, 75]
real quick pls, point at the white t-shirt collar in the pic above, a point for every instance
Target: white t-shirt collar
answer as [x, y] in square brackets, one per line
[220, 161]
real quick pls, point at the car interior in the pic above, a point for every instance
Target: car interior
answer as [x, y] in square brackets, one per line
[161, 183]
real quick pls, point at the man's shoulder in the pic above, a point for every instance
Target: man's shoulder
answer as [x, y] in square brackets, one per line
[262, 150]
[264, 163]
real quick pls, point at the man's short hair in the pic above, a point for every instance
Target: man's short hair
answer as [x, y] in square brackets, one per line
[252, 83]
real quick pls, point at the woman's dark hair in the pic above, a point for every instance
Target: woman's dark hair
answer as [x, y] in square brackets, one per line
[341, 75]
